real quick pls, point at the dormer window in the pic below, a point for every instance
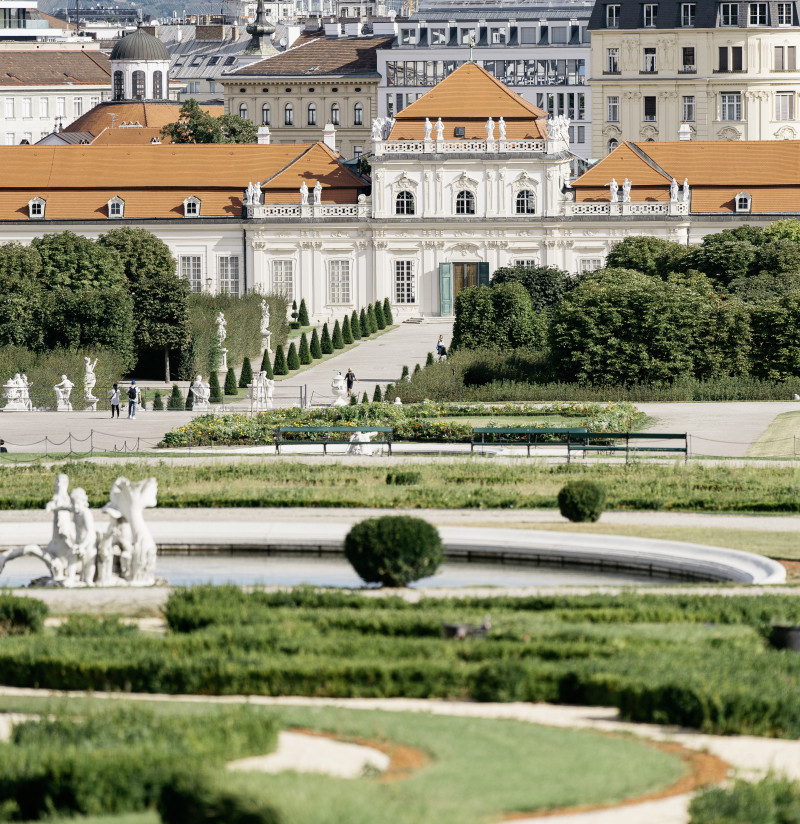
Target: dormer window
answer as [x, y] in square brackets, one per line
[744, 202]
[612, 16]
[36, 208]
[191, 207]
[407, 37]
[650, 15]
[116, 207]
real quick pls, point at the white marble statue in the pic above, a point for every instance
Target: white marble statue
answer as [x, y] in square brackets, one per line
[360, 444]
[377, 129]
[260, 392]
[685, 192]
[17, 393]
[317, 193]
[626, 190]
[673, 191]
[439, 129]
[63, 391]
[428, 129]
[613, 189]
[388, 122]
[339, 390]
[202, 392]
[222, 328]
[257, 194]
[501, 125]
[89, 378]
[264, 317]
[398, 402]
[121, 553]
[490, 128]
[304, 194]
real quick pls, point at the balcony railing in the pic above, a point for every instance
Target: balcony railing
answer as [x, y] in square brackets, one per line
[412, 147]
[626, 209]
[309, 210]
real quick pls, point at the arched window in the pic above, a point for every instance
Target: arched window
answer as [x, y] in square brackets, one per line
[157, 84]
[191, 207]
[404, 204]
[36, 208]
[465, 203]
[312, 114]
[288, 115]
[243, 111]
[138, 86]
[358, 115]
[612, 144]
[116, 207]
[743, 202]
[265, 115]
[335, 114]
[526, 202]
[119, 87]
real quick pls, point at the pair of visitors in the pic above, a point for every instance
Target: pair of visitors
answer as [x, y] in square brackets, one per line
[441, 349]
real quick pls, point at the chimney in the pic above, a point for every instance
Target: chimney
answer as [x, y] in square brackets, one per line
[352, 29]
[685, 132]
[333, 28]
[329, 137]
[263, 135]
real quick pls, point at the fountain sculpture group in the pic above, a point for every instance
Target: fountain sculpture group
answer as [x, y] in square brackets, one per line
[17, 391]
[123, 553]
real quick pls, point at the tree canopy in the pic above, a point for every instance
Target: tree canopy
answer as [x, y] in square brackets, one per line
[196, 125]
[546, 285]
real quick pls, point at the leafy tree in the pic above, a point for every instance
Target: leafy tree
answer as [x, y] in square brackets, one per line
[304, 353]
[337, 341]
[302, 314]
[764, 286]
[316, 349]
[778, 256]
[195, 125]
[347, 335]
[355, 326]
[376, 395]
[776, 346]
[19, 295]
[76, 262]
[546, 285]
[215, 395]
[722, 260]
[648, 255]
[326, 344]
[280, 367]
[292, 359]
[475, 320]
[387, 312]
[363, 325]
[230, 382]
[788, 229]
[516, 324]
[246, 375]
[379, 319]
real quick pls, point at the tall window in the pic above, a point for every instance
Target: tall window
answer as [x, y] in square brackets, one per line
[228, 272]
[784, 105]
[283, 278]
[650, 15]
[688, 109]
[288, 115]
[729, 14]
[243, 111]
[758, 14]
[650, 61]
[688, 59]
[785, 58]
[192, 270]
[404, 204]
[358, 115]
[730, 59]
[650, 108]
[44, 107]
[731, 106]
[119, 90]
[138, 85]
[27, 107]
[265, 115]
[158, 91]
[339, 283]
[687, 14]
[465, 203]
[785, 14]
[612, 104]
[526, 203]
[61, 107]
[404, 291]
[612, 61]
[77, 106]
[612, 17]
[312, 114]
[335, 114]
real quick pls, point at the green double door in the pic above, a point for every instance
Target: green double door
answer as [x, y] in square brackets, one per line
[453, 277]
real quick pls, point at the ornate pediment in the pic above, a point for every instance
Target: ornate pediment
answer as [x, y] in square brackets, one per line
[404, 183]
[465, 183]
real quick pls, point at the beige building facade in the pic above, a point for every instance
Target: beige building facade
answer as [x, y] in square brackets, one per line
[723, 71]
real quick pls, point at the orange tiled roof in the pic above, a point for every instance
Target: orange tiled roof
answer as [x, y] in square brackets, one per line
[46, 67]
[128, 137]
[153, 115]
[468, 97]
[78, 181]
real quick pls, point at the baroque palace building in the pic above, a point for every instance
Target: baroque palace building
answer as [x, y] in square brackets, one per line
[727, 70]
[466, 179]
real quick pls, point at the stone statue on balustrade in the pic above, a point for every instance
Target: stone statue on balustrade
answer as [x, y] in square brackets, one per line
[428, 128]
[377, 129]
[201, 390]
[79, 554]
[501, 125]
[439, 129]
[613, 189]
[317, 193]
[685, 192]
[63, 391]
[304, 194]
[673, 191]
[626, 190]
[222, 328]
[490, 128]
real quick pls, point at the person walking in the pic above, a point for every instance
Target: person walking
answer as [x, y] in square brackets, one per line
[3, 446]
[441, 351]
[133, 392]
[350, 379]
[114, 394]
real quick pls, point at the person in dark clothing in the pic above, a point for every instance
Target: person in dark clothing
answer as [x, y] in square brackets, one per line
[350, 379]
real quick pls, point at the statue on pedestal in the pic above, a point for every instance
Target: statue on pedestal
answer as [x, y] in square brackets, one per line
[626, 190]
[202, 392]
[439, 129]
[490, 129]
[339, 390]
[428, 128]
[89, 381]
[304, 194]
[501, 125]
[63, 391]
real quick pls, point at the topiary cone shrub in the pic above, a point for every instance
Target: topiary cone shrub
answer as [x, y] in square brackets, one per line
[302, 315]
[404, 374]
[353, 400]
[363, 325]
[582, 500]
[175, 401]
[325, 341]
[304, 353]
[377, 397]
[246, 375]
[365, 398]
[347, 335]
[379, 318]
[394, 550]
[230, 382]
[215, 396]
[189, 405]
[371, 322]
[355, 326]
[292, 359]
[316, 349]
[280, 367]
[158, 403]
[337, 341]
[429, 360]
[387, 312]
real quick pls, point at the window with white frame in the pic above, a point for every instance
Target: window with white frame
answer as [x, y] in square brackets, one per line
[758, 14]
[61, 107]
[191, 207]
[335, 114]
[119, 89]
[785, 58]
[590, 264]
[27, 107]
[77, 106]
[612, 105]
[9, 108]
[94, 101]
[404, 286]
[44, 107]
[265, 115]
[784, 105]
[731, 106]
[465, 203]
[650, 108]
[687, 14]
[612, 16]
[729, 14]
[139, 89]
[288, 115]
[312, 114]
[358, 115]
[339, 282]
[194, 87]
[649, 65]
[407, 37]
[191, 270]
[404, 203]
[10, 138]
[283, 278]
[116, 207]
[27, 137]
[36, 208]
[498, 36]
[688, 108]
[525, 203]
[731, 58]
[785, 15]
[650, 15]
[228, 274]
[688, 63]
[613, 144]
[577, 134]
[438, 37]
[743, 202]
[243, 111]
[612, 61]
[526, 263]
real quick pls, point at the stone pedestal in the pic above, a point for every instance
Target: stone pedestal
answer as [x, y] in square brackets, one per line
[91, 401]
[64, 405]
[339, 390]
[223, 366]
[266, 342]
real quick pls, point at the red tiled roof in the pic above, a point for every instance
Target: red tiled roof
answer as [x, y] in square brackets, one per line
[153, 115]
[45, 67]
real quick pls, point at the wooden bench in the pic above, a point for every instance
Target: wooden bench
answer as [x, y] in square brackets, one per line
[500, 434]
[587, 443]
[320, 435]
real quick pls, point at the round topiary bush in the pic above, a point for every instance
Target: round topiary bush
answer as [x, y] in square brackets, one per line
[582, 500]
[393, 550]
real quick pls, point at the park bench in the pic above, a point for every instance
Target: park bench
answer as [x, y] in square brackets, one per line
[512, 434]
[632, 442]
[320, 435]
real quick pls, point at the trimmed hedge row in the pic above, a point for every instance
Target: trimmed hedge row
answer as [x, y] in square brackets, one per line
[21, 616]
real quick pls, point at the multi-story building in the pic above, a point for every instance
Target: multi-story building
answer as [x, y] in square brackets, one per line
[728, 70]
[539, 50]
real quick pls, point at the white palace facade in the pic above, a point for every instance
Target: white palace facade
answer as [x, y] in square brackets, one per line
[451, 198]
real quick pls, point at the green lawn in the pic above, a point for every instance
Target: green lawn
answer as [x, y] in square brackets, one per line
[780, 439]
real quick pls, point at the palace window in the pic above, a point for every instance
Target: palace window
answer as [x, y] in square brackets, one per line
[650, 108]
[785, 15]
[158, 82]
[265, 115]
[688, 109]
[335, 114]
[730, 59]
[36, 208]
[525, 203]
[44, 107]
[465, 203]
[191, 207]
[404, 204]
[729, 14]
[139, 90]
[438, 37]
[612, 61]
[785, 58]
[228, 273]
[243, 111]
[191, 269]
[283, 278]
[612, 144]
[116, 207]
[312, 114]
[612, 17]
[358, 115]
[688, 59]
[119, 89]
[612, 104]
[743, 202]
[650, 61]
[339, 282]
[404, 291]
[731, 106]
[758, 14]
[590, 265]
[784, 105]
[288, 115]
[526, 263]
[650, 15]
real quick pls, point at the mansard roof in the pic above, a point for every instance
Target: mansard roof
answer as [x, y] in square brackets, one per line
[631, 15]
[469, 97]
